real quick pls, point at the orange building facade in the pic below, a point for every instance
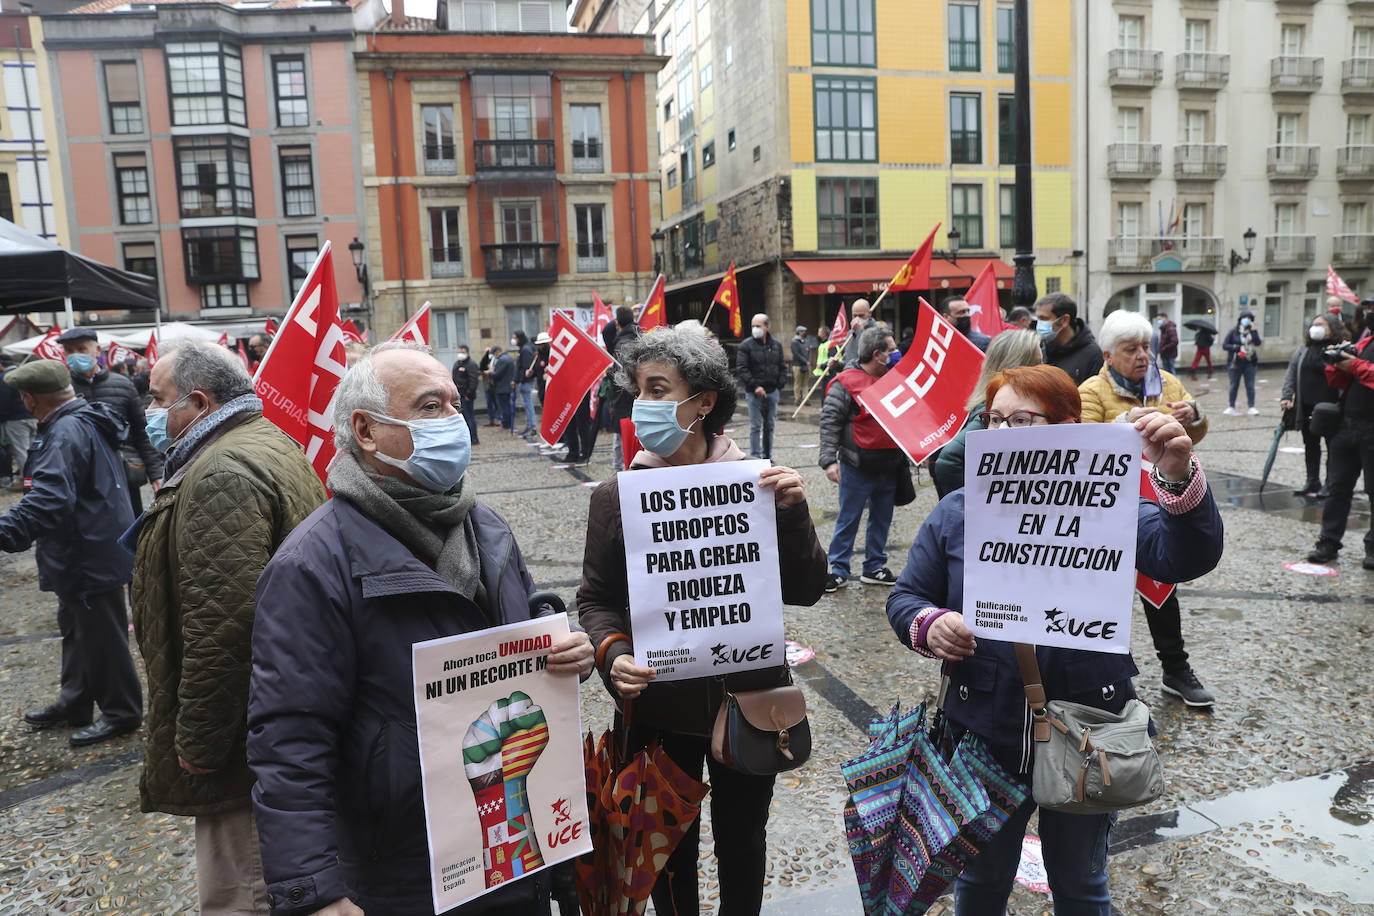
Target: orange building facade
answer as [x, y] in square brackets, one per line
[506, 176]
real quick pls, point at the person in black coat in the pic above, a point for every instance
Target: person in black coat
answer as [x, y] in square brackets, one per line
[20, 428]
[1068, 342]
[95, 383]
[466, 377]
[622, 403]
[501, 378]
[762, 370]
[75, 509]
[526, 358]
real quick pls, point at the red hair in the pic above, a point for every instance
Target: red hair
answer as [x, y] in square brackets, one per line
[1049, 385]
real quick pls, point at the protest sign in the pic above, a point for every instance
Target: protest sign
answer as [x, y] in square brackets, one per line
[1050, 516]
[701, 556]
[496, 732]
[922, 401]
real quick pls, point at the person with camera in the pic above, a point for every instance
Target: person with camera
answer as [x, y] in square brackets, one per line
[1351, 450]
[1304, 387]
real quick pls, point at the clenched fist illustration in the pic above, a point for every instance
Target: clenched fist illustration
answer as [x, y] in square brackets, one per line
[499, 750]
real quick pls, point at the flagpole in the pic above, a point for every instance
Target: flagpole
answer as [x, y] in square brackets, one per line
[872, 310]
[708, 313]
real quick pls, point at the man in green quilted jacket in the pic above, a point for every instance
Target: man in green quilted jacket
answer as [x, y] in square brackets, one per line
[234, 487]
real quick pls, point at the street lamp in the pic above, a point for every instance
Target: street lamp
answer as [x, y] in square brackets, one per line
[952, 239]
[1236, 259]
[356, 249]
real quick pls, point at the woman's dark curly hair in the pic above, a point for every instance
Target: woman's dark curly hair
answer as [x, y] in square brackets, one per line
[701, 363]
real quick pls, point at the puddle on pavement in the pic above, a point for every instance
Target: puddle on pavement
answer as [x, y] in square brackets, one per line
[1244, 492]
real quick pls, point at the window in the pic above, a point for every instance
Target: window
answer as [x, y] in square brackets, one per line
[450, 329]
[511, 107]
[846, 120]
[1128, 219]
[1053, 284]
[141, 258]
[1194, 127]
[1291, 40]
[729, 56]
[966, 209]
[708, 155]
[1006, 216]
[1285, 219]
[685, 103]
[536, 17]
[1352, 218]
[288, 74]
[206, 80]
[441, 154]
[479, 16]
[131, 184]
[1128, 124]
[523, 318]
[688, 162]
[963, 36]
[668, 112]
[6, 201]
[519, 224]
[965, 130]
[842, 32]
[1194, 222]
[1006, 130]
[445, 252]
[1130, 31]
[1362, 43]
[1006, 39]
[1273, 306]
[1286, 129]
[297, 181]
[213, 176]
[706, 75]
[730, 139]
[665, 44]
[1195, 36]
[847, 212]
[682, 24]
[586, 137]
[591, 238]
[220, 254]
[1356, 129]
[121, 94]
[710, 232]
[301, 251]
[672, 178]
[224, 295]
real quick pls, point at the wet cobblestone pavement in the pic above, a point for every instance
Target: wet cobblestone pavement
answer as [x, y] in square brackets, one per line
[1267, 811]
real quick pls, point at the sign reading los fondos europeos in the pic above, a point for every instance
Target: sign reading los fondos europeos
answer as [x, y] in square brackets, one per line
[1049, 534]
[701, 556]
[496, 732]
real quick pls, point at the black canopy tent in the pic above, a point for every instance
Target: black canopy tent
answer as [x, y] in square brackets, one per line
[39, 276]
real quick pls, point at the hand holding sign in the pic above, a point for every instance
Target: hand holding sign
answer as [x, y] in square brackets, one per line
[950, 638]
[1167, 445]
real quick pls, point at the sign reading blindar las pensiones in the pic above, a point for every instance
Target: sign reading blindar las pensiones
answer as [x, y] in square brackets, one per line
[1050, 534]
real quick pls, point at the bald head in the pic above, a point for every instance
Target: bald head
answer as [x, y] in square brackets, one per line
[859, 309]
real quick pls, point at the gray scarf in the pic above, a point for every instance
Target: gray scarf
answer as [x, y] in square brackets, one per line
[436, 527]
[182, 451]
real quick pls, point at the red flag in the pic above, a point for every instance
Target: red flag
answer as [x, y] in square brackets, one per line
[840, 331]
[922, 402]
[417, 328]
[601, 316]
[49, 348]
[576, 363]
[150, 352]
[1335, 286]
[655, 311]
[223, 339]
[300, 373]
[1151, 590]
[727, 294]
[915, 273]
[984, 313]
[270, 329]
[350, 332]
[243, 355]
[629, 442]
[118, 353]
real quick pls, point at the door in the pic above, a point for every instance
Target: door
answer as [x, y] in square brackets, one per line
[448, 331]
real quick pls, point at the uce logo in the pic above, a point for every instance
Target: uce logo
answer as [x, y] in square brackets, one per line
[926, 371]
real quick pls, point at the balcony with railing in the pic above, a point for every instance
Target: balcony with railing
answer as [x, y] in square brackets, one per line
[1293, 161]
[1355, 162]
[1136, 253]
[513, 155]
[1357, 75]
[1353, 249]
[510, 263]
[446, 261]
[1202, 70]
[1205, 161]
[519, 230]
[1134, 67]
[1290, 73]
[1133, 160]
[441, 159]
[1290, 250]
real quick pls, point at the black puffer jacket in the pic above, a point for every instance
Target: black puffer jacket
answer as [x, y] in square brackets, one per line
[837, 436]
[624, 402]
[1080, 356]
[466, 377]
[760, 364]
[106, 387]
[76, 502]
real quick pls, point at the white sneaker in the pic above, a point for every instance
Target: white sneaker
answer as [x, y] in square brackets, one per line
[1253, 411]
[1231, 412]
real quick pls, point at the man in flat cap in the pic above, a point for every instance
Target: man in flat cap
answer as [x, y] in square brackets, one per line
[95, 383]
[801, 363]
[75, 506]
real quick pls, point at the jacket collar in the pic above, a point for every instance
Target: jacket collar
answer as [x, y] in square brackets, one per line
[72, 406]
[232, 422]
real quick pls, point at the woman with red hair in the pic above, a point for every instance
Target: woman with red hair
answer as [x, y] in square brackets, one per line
[1180, 538]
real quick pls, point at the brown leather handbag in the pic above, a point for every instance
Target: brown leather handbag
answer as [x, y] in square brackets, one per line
[762, 732]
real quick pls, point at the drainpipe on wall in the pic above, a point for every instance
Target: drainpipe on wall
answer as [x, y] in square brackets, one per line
[630, 151]
[396, 189]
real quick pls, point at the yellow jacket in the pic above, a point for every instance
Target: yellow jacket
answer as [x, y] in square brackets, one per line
[1106, 402]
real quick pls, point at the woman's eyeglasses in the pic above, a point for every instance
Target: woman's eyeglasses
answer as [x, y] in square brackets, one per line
[1017, 419]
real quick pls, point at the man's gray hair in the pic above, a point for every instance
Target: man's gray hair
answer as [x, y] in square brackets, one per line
[763, 316]
[871, 341]
[1121, 327]
[362, 389]
[701, 363]
[209, 367]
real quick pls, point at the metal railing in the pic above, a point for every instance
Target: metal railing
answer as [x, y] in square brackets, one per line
[513, 154]
[1355, 162]
[1134, 67]
[1297, 250]
[1132, 160]
[1357, 74]
[441, 159]
[446, 261]
[1353, 249]
[1202, 70]
[1293, 161]
[522, 262]
[1141, 252]
[1199, 160]
[1290, 73]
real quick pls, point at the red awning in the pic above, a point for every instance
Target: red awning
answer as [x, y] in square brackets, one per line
[871, 275]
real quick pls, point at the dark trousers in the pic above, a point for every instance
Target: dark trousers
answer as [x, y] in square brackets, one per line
[470, 414]
[494, 411]
[739, 821]
[1166, 629]
[96, 664]
[580, 434]
[1312, 448]
[1349, 452]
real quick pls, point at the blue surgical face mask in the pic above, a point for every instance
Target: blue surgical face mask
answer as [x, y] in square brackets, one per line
[80, 363]
[894, 358]
[156, 426]
[656, 425]
[441, 450]
[1245, 322]
[1044, 328]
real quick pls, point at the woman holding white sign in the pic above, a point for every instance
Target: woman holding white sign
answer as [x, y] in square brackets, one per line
[685, 394]
[1180, 538]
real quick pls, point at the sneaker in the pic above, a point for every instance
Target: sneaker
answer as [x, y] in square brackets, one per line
[1231, 412]
[1324, 552]
[881, 577]
[1185, 685]
[834, 582]
[1310, 489]
[1253, 411]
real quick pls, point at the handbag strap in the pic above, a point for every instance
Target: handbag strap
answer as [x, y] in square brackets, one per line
[1035, 689]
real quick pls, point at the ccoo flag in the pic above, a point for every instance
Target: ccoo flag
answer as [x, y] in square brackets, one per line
[728, 295]
[655, 311]
[915, 273]
[576, 363]
[417, 328]
[601, 316]
[49, 348]
[1337, 287]
[839, 333]
[151, 352]
[985, 313]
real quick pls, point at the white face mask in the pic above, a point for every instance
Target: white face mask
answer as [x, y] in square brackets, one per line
[1317, 332]
[758, 332]
[514, 342]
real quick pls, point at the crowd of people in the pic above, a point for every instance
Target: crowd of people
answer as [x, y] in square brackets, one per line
[275, 612]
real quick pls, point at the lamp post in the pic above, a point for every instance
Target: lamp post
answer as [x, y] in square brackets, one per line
[355, 250]
[952, 238]
[1023, 287]
[1236, 259]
